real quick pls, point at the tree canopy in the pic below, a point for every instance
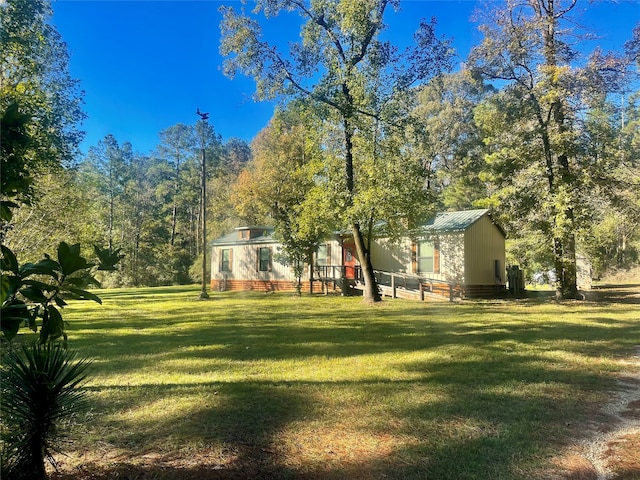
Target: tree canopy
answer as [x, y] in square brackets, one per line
[367, 134]
[534, 126]
[358, 82]
[35, 77]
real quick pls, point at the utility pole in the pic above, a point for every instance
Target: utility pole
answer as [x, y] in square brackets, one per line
[203, 202]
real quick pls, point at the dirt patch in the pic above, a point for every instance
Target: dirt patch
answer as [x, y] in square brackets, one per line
[610, 449]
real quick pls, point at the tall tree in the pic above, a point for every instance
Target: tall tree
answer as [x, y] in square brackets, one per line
[177, 143]
[612, 146]
[632, 47]
[39, 102]
[109, 161]
[34, 75]
[532, 125]
[278, 186]
[343, 66]
[235, 157]
[453, 150]
[37, 227]
[209, 148]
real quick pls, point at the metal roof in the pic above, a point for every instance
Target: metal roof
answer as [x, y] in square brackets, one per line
[446, 222]
[452, 222]
[233, 238]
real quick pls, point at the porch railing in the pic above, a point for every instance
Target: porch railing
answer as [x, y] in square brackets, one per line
[392, 281]
[337, 272]
[417, 284]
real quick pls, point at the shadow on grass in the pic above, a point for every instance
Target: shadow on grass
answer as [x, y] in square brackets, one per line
[241, 441]
[486, 417]
[245, 341]
[615, 294]
[149, 292]
[486, 407]
[232, 423]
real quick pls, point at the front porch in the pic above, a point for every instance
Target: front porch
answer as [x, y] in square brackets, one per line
[348, 280]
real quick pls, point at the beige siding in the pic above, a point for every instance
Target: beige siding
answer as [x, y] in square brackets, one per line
[464, 258]
[336, 252]
[245, 264]
[396, 257]
[452, 257]
[484, 244]
[391, 257]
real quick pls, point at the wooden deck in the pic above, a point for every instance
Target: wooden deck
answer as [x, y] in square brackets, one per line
[394, 285]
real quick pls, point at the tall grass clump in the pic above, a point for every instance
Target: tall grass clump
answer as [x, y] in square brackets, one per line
[39, 394]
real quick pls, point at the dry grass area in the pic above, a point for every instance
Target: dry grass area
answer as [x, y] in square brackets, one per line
[625, 457]
[274, 387]
[622, 277]
[610, 447]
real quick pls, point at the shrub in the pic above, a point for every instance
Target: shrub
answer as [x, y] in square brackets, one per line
[39, 393]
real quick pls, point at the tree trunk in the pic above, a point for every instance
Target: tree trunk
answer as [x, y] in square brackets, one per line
[371, 293]
[203, 189]
[174, 215]
[568, 276]
[32, 467]
[174, 209]
[564, 234]
[110, 226]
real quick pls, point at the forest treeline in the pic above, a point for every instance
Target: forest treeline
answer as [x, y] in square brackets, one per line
[545, 135]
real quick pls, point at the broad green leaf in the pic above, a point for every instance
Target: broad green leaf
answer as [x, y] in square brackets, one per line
[52, 324]
[44, 331]
[60, 302]
[10, 326]
[5, 289]
[70, 259]
[35, 294]
[5, 210]
[15, 283]
[80, 294]
[9, 262]
[38, 284]
[108, 258]
[13, 316]
[55, 321]
[43, 267]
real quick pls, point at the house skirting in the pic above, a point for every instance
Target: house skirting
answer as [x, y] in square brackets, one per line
[218, 285]
[443, 289]
[254, 285]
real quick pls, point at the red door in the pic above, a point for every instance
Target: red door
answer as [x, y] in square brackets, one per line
[349, 259]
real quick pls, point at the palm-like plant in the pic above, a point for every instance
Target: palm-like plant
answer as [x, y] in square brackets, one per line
[39, 391]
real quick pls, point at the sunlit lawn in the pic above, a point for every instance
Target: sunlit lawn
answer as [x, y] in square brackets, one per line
[275, 386]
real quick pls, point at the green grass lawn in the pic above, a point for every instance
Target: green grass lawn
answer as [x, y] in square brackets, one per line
[249, 385]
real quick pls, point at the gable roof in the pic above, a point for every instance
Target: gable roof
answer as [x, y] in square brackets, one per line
[257, 235]
[446, 222]
[454, 222]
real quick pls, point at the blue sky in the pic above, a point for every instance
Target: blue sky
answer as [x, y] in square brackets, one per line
[147, 65]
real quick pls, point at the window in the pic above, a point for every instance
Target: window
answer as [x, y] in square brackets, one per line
[225, 260]
[425, 256]
[322, 256]
[264, 259]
